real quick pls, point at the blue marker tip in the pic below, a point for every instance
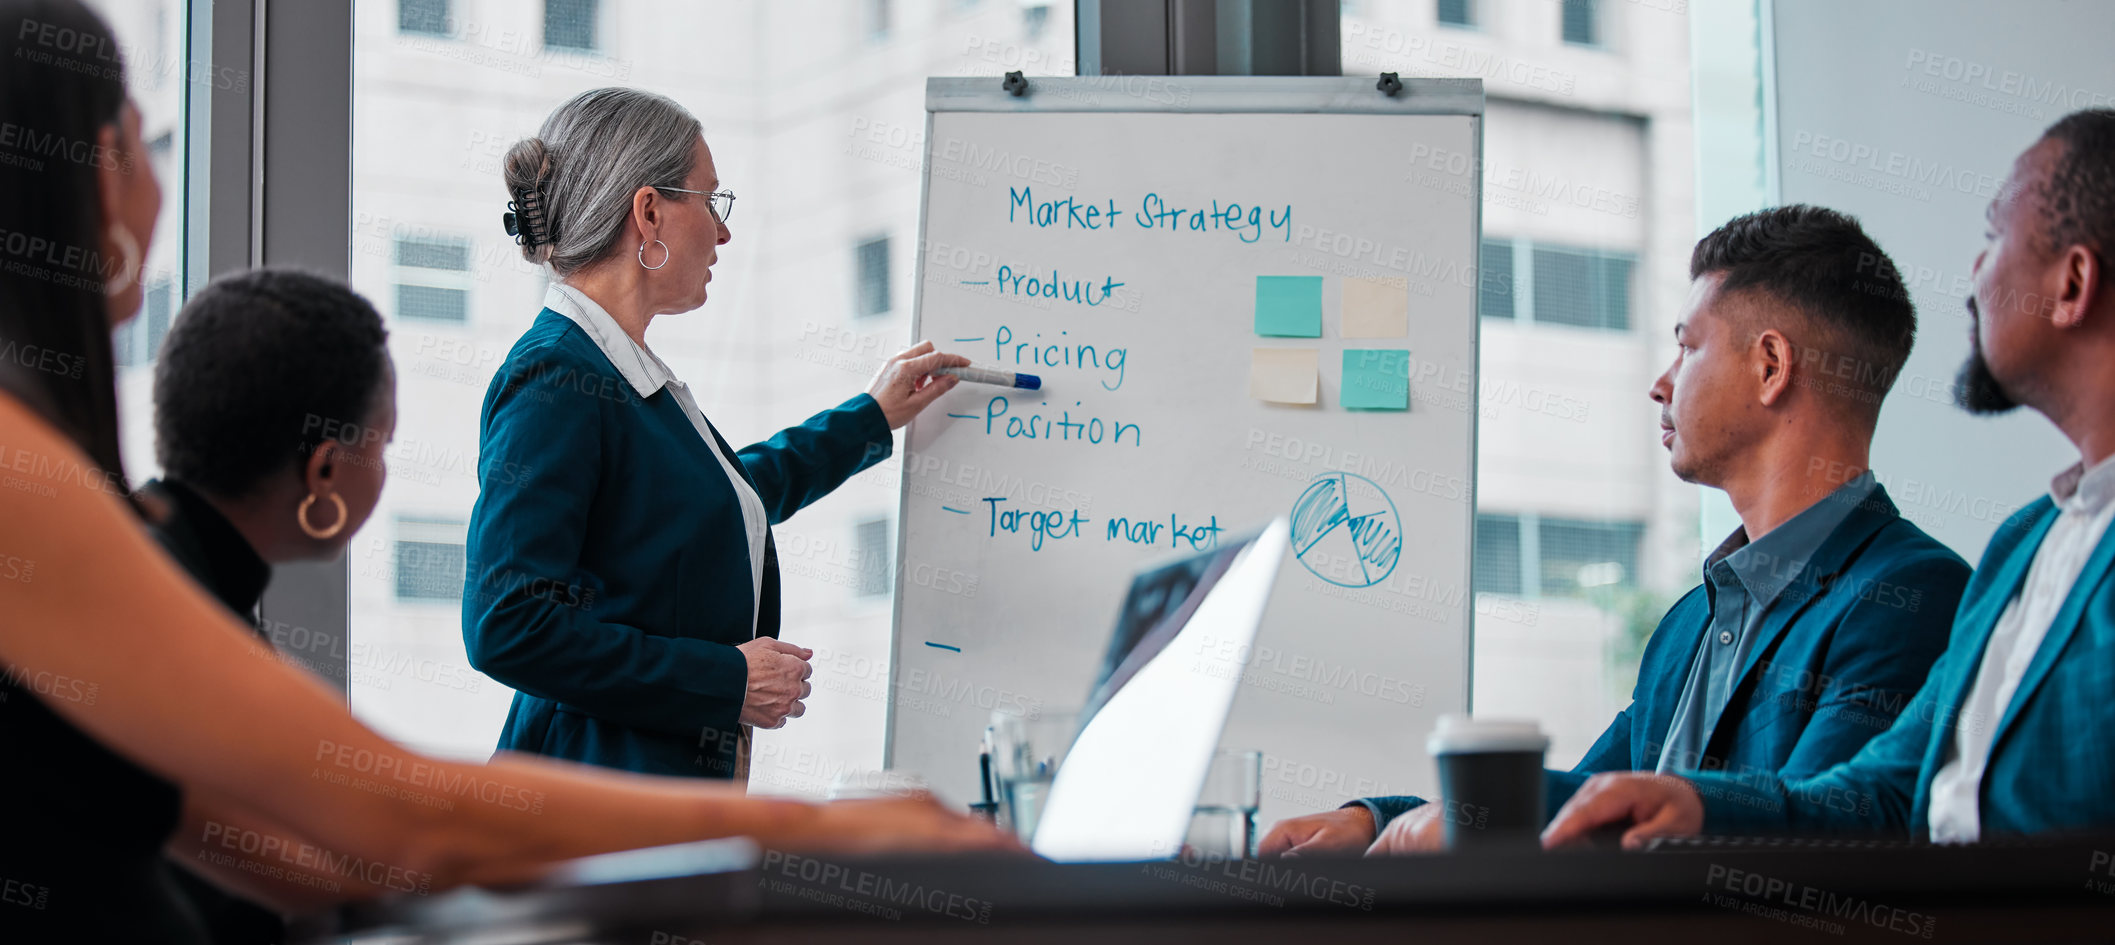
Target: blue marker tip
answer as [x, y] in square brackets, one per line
[1027, 382]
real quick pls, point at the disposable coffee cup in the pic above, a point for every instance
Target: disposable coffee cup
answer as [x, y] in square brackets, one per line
[1492, 795]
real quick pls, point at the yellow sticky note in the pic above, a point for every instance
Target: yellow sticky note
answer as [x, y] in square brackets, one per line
[1376, 308]
[1283, 375]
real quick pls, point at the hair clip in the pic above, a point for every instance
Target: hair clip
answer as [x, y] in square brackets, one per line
[525, 219]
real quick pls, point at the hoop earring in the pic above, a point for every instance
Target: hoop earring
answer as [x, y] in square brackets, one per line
[320, 534]
[128, 247]
[664, 255]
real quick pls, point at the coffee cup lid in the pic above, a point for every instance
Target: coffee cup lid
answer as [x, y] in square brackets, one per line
[1459, 734]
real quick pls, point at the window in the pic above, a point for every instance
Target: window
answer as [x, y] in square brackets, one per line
[570, 24]
[1582, 22]
[1494, 282]
[430, 255]
[871, 537]
[139, 342]
[876, 14]
[433, 282]
[872, 286]
[1579, 279]
[1579, 555]
[1586, 288]
[429, 559]
[1497, 555]
[1536, 556]
[423, 16]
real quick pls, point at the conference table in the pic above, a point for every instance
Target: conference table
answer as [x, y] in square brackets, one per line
[1721, 892]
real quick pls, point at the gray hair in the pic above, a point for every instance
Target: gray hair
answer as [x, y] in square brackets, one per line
[583, 166]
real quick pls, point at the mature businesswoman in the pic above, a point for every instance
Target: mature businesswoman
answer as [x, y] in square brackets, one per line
[621, 574]
[129, 697]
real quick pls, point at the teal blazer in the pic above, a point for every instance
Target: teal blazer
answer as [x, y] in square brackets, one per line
[2052, 759]
[607, 575]
[1838, 656]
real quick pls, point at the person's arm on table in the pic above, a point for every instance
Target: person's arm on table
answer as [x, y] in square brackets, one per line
[1877, 658]
[1421, 830]
[1344, 831]
[1869, 794]
[174, 672]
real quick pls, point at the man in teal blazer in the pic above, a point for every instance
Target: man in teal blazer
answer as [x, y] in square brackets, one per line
[1818, 618]
[609, 576]
[2014, 731]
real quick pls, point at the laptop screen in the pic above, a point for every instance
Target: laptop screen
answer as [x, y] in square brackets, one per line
[1131, 778]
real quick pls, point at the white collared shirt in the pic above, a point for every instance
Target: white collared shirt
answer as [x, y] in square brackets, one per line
[2085, 501]
[647, 375]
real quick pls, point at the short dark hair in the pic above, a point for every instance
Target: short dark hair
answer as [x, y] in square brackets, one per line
[2078, 197]
[257, 370]
[1821, 262]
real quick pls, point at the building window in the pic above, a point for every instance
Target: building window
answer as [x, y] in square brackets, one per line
[1582, 287]
[161, 307]
[1457, 12]
[1582, 25]
[1498, 555]
[1494, 281]
[429, 559]
[872, 287]
[423, 16]
[433, 278]
[871, 538]
[1535, 556]
[1580, 555]
[139, 341]
[569, 24]
[875, 14]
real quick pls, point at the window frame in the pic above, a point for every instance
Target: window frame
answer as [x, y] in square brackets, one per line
[1596, 26]
[447, 14]
[859, 277]
[268, 181]
[596, 31]
[1468, 22]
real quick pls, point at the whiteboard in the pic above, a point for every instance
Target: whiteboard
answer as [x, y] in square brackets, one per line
[1108, 235]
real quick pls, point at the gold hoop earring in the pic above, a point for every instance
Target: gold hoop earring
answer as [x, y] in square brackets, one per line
[664, 254]
[320, 534]
[128, 247]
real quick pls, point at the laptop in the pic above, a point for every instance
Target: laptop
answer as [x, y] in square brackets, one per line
[1131, 778]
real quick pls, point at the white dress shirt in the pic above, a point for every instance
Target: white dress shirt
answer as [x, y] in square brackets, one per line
[647, 375]
[2085, 501]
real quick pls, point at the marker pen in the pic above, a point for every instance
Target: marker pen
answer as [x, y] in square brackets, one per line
[979, 375]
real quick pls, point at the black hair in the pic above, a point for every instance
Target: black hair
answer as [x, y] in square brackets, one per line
[2078, 197]
[1821, 262]
[259, 369]
[62, 82]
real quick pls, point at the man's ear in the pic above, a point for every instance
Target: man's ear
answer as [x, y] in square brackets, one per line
[1772, 355]
[2079, 288]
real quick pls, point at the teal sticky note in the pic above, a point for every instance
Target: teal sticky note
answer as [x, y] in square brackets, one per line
[1376, 379]
[1289, 306]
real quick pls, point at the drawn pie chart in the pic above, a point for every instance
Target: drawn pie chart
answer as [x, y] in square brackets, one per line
[1345, 530]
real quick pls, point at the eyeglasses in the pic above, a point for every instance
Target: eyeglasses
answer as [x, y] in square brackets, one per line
[722, 202]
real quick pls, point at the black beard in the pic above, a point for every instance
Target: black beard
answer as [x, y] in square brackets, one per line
[1975, 389]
